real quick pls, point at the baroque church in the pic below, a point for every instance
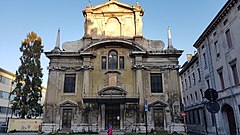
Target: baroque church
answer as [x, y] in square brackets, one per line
[113, 75]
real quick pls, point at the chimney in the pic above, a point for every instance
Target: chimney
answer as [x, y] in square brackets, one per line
[189, 57]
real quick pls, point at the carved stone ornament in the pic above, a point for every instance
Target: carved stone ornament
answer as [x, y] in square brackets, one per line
[138, 67]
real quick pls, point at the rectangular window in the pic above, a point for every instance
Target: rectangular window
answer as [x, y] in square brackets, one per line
[156, 83]
[198, 117]
[121, 62]
[229, 39]
[104, 62]
[196, 96]
[235, 74]
[182, 85]
[213, 119]
[69, 83]
[217, 49]
[186, 83]
[191, 98]
[208, 83]
[225, 22]
[199, 74]
[220, 74]
[204, 60]
[201, 94]
[189, 80]
[194, 79]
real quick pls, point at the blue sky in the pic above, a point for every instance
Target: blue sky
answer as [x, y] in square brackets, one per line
[186, 18]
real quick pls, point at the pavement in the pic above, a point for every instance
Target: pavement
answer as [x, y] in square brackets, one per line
[22, 133]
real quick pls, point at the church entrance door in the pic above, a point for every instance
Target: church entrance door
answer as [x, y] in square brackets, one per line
[159, 119]
[66, 119]
[112, 115]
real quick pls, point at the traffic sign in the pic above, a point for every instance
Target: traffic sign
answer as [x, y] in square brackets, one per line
[213, 107]
[183, 114]
[211, 94]
[145, 104]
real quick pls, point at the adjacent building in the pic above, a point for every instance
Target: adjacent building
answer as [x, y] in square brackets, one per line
[217, 64]
[6, 86]
[113, 75]
[6, 79]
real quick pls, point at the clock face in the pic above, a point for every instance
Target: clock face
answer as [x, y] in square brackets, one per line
[156, 45]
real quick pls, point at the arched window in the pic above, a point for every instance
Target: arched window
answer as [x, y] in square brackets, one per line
[112, 60]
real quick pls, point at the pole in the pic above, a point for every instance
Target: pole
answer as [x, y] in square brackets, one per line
[215, 121]
[184, 121]
[146, 122]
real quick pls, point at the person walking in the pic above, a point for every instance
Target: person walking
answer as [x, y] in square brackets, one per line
[109, 129]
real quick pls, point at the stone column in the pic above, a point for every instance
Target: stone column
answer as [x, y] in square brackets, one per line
[102, 117]
[139, 82]
[86, 82]
[121, 117]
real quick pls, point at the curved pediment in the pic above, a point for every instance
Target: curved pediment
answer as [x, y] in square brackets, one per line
[112, 90]
[118, 42]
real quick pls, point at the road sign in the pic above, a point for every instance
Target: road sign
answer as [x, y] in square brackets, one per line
[211, 94]
[145, 104]
[183, 114]
[213, 106]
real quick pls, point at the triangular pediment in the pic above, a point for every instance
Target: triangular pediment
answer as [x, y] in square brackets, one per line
[113, 6]
[158, 103]
[68, 104]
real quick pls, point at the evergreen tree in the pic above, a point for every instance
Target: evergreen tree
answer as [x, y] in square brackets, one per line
[26, 102]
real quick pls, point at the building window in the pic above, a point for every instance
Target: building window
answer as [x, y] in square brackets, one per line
[199, 74]
[208, 83]
[198, 117]
[5, 80]
[194, 79]
[204, 60]
[191, 98]
[186, 83]
[217, 49]
[220, 74]
[196, 96]
[235, 74]
[238, 7]
[121, 62]
[112, 60]
[201, 94]
[184, 101]
[229, 39]
[225, 22]
[104, 62]
[182, 85]
[189, 80]
[213, 119]
[4, 94]
[156, 83]
[69, 83]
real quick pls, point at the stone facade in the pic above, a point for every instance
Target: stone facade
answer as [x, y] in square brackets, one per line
[218, 64]
[109, 74]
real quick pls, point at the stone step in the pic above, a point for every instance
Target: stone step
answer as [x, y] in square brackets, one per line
[115, 132]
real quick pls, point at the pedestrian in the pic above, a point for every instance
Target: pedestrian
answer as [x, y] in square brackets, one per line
[109, 129]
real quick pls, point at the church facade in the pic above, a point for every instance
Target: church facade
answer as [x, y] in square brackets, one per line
[113, 75]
